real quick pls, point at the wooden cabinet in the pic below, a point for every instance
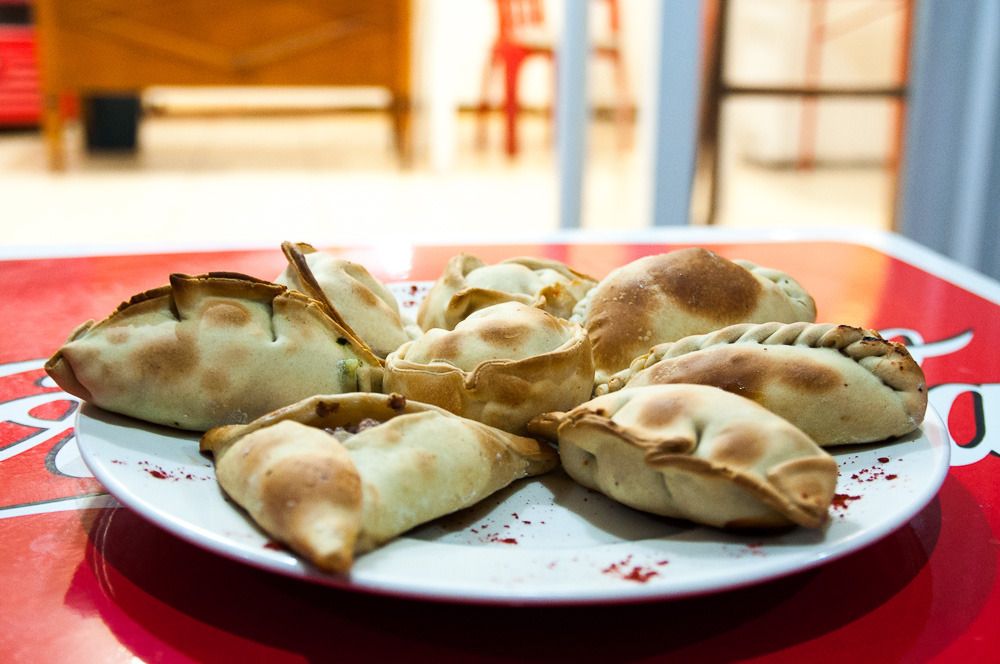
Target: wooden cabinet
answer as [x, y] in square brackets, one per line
[121, 46]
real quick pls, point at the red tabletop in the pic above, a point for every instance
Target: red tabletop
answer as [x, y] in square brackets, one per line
[84, 579]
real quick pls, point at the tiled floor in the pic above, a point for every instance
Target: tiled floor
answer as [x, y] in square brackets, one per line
[334, 178]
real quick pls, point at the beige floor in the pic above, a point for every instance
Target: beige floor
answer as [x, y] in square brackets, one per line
[334, 178]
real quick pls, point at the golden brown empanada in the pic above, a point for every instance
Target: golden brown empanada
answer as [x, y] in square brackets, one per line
[665, 297]
[210, 350]
[502, 365]
[695, 452]
[468, 284]
[837, 383]
[357, 301]
[329, 499]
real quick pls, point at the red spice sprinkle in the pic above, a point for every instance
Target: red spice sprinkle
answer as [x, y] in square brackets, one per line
[840, 500]
[277, 546]
[883, 459]
[493, 537]
[118, 462]
[661, 563]
[870, 474]
[616, 567]
[413, 289]
[891, 477]
[527, 522]
[640, 574]
[161, 474]
[636, 573]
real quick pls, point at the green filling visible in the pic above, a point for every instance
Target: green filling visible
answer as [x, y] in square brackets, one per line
[347, 374]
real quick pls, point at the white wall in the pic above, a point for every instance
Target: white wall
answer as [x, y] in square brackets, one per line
[767, 46]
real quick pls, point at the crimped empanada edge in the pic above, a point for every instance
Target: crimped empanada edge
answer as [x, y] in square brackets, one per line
[826, 335]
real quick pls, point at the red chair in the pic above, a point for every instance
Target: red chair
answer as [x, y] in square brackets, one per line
[522, 32]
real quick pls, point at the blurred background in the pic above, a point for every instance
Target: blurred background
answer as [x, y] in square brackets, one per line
[229, 123]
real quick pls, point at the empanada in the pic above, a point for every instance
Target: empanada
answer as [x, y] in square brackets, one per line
[329, 500]
[468, 284]
[502, 365]
[695, 452]
[669, 296]
[214, 349]
[837, 383]
[357, 301]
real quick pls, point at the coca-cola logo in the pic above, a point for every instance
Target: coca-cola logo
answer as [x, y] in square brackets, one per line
[39, 459]
[965, 407]
[43, 470]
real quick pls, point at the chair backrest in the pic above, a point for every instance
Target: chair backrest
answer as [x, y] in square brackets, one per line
[515, 15]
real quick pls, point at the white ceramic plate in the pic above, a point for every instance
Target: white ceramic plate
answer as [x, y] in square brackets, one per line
[545, 540]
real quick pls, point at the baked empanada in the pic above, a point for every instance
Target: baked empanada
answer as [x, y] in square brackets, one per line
[669, 296]
[502, 365]
[695, 452]
[357, 301]
[837, 383]
[329, 499]
[468, 284]
[214, 349]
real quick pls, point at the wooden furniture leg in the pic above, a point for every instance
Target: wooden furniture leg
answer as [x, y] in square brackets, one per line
[622, 119]
[401, 122]
[52, 124]
[483, 110]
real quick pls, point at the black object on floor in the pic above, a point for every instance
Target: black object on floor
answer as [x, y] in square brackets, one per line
[112, 122]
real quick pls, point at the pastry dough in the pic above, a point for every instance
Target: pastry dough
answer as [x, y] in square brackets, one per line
[665, 297]
[502, 365]
[837, 383]
[210, 350]
[695, 452]
[356, 300]
[468, 284]
[329, 500]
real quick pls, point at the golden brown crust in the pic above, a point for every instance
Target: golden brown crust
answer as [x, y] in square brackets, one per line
[665, 297]
[351, 295]
[431, 313]
[301, 486]
[468, 285]
[838, 383]
[488, 368]
[695, 452]
[306, 280]
[331, 500]
[209, 350]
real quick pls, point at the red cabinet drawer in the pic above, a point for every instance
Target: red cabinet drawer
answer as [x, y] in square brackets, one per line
[20, 96]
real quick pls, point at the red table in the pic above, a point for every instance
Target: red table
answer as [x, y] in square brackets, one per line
[84, 579]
